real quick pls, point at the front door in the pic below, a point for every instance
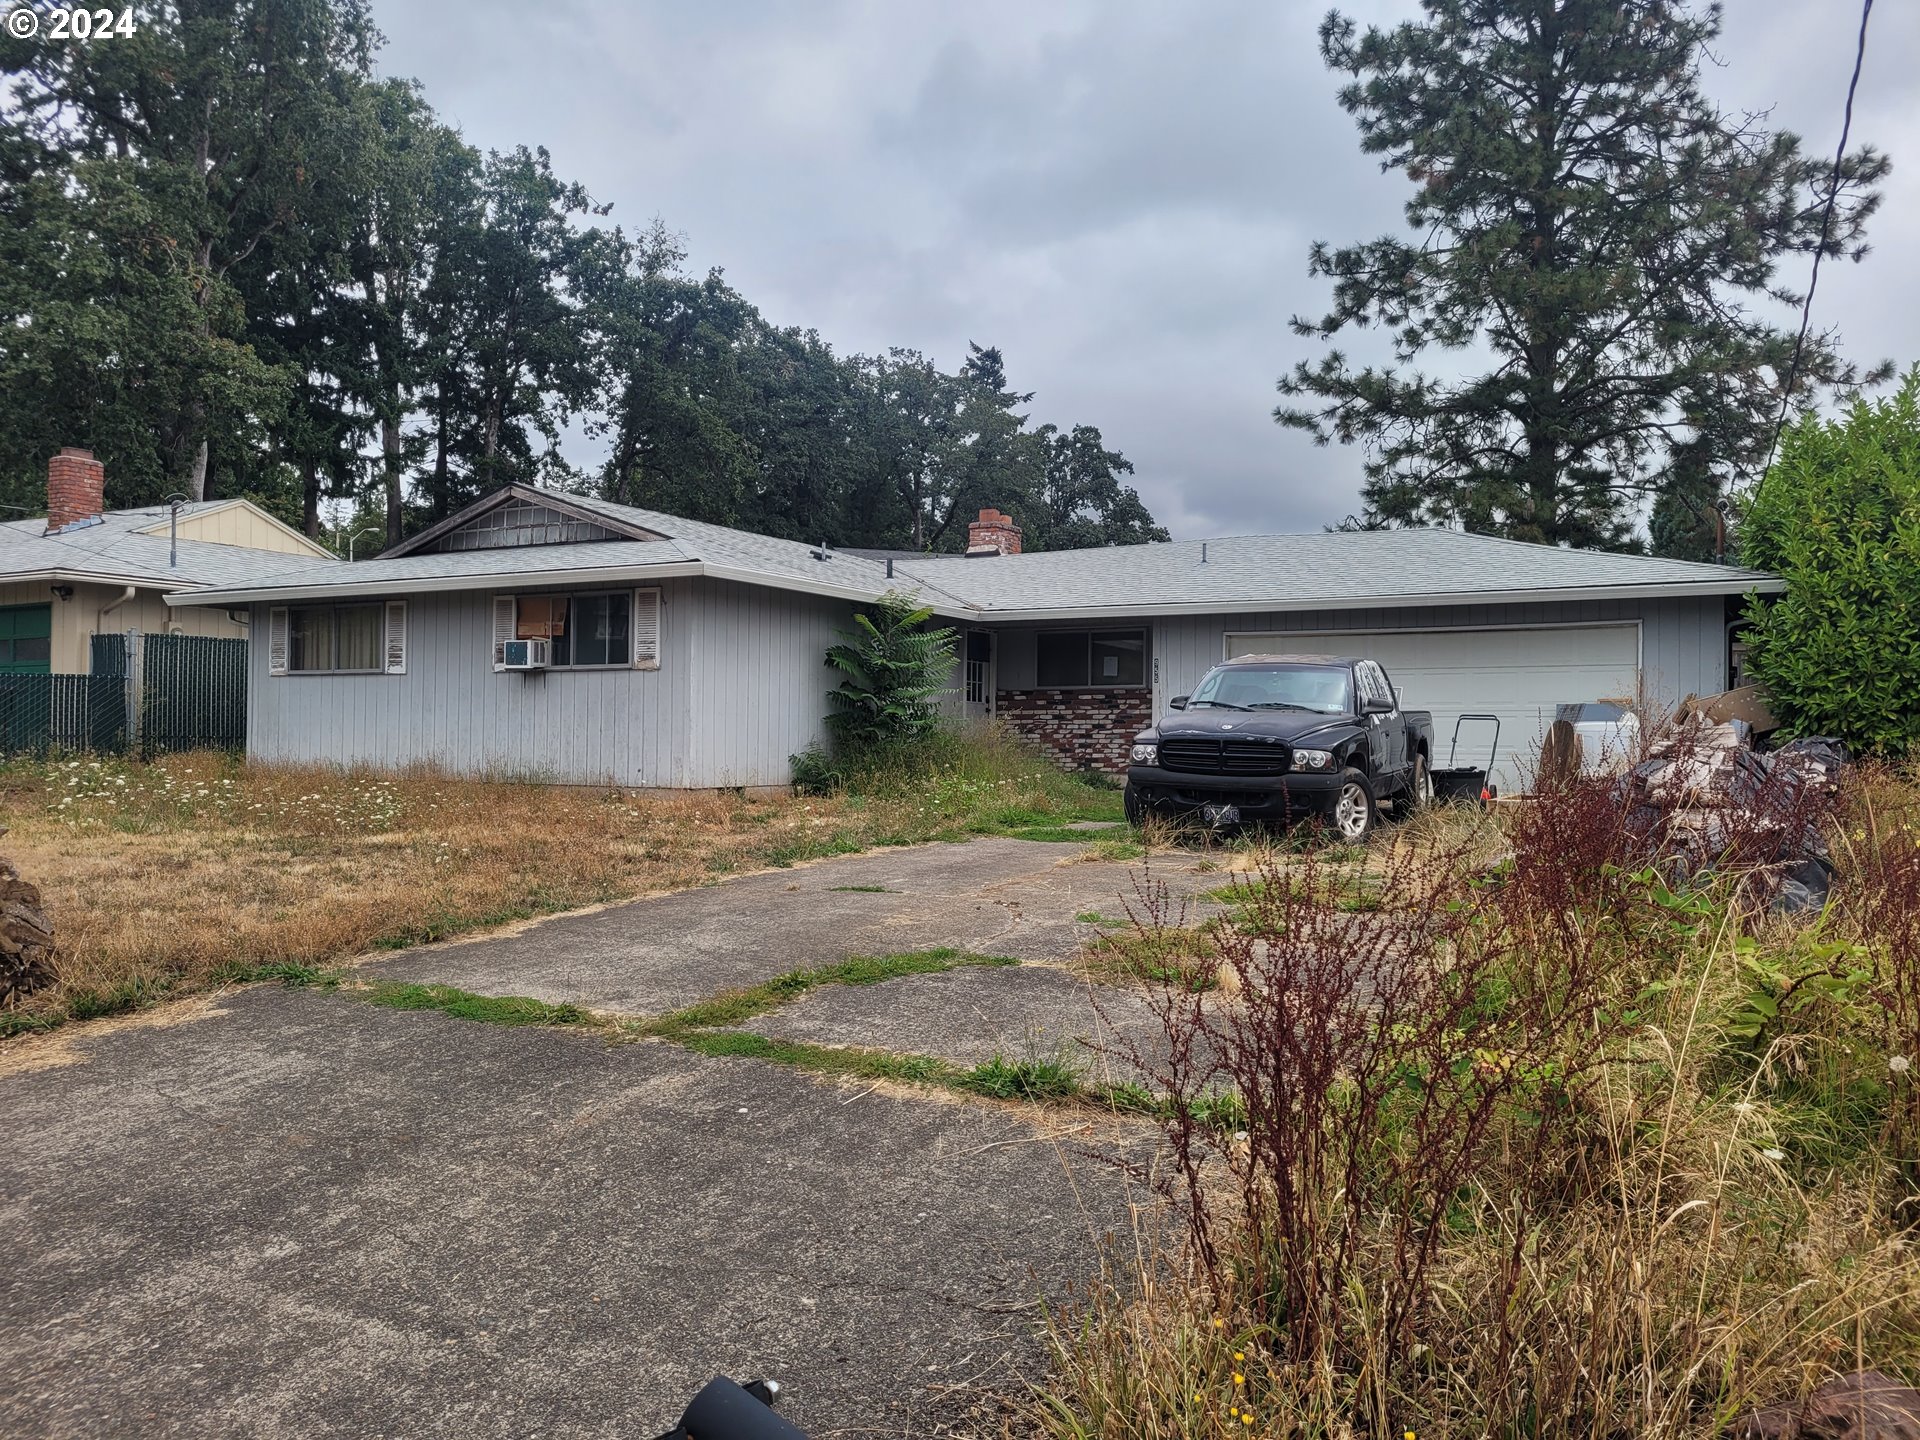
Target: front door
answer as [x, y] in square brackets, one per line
[979, 674]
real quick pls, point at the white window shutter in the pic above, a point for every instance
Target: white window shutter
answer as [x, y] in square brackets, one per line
[396, 637]
[277, 640]
[505, 618]
[646, 628]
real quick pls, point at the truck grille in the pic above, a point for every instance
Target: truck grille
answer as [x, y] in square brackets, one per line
[1224, 757]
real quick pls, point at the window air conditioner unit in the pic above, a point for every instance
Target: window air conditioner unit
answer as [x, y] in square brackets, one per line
[527, 655]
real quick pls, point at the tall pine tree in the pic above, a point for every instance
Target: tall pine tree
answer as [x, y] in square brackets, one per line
[1587, 222]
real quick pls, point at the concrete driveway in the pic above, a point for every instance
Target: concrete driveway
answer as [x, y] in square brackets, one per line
[291, 1213]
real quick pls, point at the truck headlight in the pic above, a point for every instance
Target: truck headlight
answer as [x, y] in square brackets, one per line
[1313, 759]
[1146, 754]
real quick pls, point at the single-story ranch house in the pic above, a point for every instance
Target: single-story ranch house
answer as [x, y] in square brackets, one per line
[679, 654]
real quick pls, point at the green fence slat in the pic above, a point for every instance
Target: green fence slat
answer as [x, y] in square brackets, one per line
[108, 656]
[194, 693]
[43, 713]
[193, 696]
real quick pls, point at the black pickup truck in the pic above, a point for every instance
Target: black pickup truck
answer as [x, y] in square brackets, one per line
[1284, 738]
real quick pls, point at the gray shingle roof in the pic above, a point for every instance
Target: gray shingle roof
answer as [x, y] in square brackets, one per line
[691, 547]
[443, 571]
[1282, 572]
[742, 550]
[114, 550]
[1241, 573]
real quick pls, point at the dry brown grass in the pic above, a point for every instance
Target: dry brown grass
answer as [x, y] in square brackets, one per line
[160, 877]
[1625, 1323]
[163, 878]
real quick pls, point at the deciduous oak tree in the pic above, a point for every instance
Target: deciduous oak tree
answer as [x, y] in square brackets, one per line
[234, 261]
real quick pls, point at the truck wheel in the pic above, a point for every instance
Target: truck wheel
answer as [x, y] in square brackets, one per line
[1354, 808]
[1133, 806]
[1419, 789]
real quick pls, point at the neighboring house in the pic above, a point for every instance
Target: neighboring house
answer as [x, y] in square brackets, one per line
[85, 570]
[681, 654]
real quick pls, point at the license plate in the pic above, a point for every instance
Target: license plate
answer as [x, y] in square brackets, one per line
[1220, 814]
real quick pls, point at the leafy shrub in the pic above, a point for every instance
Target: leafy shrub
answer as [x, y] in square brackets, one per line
[1839, 517]
[815, 773]
[893, 666]
[1783, 989]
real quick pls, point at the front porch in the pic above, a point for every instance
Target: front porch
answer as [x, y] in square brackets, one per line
[1079, 694]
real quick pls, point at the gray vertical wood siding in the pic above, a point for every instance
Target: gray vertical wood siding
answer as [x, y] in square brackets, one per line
[741, 686]
[760, 679]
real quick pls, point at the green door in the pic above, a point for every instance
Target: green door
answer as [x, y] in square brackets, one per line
[26, 639]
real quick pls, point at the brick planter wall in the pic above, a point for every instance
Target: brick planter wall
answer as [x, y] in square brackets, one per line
[1078, 729]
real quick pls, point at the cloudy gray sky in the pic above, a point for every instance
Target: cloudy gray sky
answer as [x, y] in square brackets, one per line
[1119, 195]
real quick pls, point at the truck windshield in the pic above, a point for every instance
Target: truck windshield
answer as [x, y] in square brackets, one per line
[1324, 688]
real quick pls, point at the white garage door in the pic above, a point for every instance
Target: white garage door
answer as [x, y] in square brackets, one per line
[1519, 675]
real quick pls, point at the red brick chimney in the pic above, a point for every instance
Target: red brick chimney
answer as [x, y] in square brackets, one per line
[76, 489]
[993, 534]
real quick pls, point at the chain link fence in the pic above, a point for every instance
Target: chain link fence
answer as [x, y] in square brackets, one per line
[144, 695]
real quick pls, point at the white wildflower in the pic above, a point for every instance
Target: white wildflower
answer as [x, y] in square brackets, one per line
[1898, 1064]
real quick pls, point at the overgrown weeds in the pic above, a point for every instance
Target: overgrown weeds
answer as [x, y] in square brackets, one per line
[1002, 1079]
[1509, 1157]
[973, 781]
[1880, 915]
[849, 1061]
[736, 1006]
[1155, 942]
[484, 1009]
[1182, 955]
[709, 1027]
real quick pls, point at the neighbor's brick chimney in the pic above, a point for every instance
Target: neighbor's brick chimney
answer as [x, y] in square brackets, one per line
[993, 534]
[76, 488]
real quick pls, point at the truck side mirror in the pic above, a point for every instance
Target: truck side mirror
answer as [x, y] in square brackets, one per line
[1179, 702]
[1377, 706]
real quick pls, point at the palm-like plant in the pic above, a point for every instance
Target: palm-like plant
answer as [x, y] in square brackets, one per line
[893, 665]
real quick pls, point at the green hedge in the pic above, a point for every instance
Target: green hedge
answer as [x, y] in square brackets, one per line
[1839, 517]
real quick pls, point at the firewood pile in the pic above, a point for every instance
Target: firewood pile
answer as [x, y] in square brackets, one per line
[1708, 800]
[26, 938]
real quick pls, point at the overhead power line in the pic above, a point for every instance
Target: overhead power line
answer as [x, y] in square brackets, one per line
[1826, 228]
